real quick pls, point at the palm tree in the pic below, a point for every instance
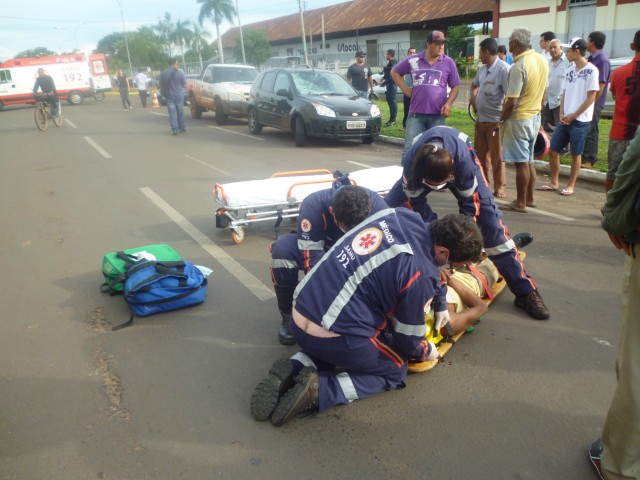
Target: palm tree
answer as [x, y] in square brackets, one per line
[182, 35]
[199, 41]
[164, 29]
[217, 10]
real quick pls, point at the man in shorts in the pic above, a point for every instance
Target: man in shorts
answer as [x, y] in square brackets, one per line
[520, 117]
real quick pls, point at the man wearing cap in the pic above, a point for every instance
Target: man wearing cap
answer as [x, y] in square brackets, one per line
[576, 111]
[595, 44]
[520, 116]
[301, 250]
[359, 75]
[431, 72]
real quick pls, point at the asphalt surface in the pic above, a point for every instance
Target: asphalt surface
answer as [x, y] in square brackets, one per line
[168, 398]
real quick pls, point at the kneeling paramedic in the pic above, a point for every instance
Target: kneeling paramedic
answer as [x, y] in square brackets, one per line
[361, 308]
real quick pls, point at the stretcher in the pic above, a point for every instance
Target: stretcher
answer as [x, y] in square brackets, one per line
[280, 196]
[445, 344]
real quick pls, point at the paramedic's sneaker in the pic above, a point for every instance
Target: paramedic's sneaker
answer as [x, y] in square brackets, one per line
[533, 304]
[522, 239]
[595, 455]
[302, 397]
[271, 388]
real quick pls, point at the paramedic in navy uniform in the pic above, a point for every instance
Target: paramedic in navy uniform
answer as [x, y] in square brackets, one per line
[291, 253]
[361, 308]
[444, 158]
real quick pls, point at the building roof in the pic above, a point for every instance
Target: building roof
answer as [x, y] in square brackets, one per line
[368, 16]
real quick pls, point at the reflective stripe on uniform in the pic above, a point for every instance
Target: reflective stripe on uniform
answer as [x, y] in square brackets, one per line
[469, 192]
[347, 386]
[463, 136]
[304, 360]
[505, 247]
[354, 281]
[309, 245]
[281, 263]
[409, 330]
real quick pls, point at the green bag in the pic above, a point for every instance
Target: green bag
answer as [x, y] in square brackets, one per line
[116, 264]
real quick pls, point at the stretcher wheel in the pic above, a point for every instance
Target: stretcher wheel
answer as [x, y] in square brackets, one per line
[238, 235]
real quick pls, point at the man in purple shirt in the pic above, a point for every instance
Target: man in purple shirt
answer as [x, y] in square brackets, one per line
[595, 44]
[431, 72]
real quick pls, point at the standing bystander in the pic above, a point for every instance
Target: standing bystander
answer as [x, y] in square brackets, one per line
[521, 115]
[625, 90]
[172, 85]
[545, 40]
[392, 88]
[595, 44]
[616, 455]
[123, 88]
[488, 89]
[359, 75]
[558, 66]
[504, 55]
[431, 72]
[141, 82]
[576, 111]
[406, 101]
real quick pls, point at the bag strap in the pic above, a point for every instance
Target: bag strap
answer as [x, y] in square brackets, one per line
[483, 280]
[128, 261]
[164, 269]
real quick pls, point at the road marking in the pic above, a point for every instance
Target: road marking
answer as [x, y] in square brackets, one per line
[363, 165]
[254, 285]
[202, 162]
[160, 113]
[70, 123]
[252, 137]
[100, 150]
[540, 212]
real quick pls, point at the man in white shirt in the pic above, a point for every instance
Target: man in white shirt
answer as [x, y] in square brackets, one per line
[558, 66]
[141, 82]
[576, 112]
[545, 41]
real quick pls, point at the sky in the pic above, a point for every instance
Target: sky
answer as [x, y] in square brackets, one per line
[63, 25]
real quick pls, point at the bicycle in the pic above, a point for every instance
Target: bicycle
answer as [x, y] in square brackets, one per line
[43, 113]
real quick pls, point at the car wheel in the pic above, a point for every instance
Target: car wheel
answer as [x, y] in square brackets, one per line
[367, 140]
[221, 118]
[75, 98]
[254, 125]
[194, 108]
[300, 134]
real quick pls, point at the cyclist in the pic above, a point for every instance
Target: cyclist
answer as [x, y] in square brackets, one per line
[45, 83]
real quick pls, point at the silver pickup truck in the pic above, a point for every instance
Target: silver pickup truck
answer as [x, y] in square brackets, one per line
[223, 89]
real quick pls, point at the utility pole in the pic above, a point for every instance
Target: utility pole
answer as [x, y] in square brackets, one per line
[125, 38]
[244, 59]
[304, 40]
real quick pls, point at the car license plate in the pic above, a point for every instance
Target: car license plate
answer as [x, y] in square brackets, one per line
[355, 124]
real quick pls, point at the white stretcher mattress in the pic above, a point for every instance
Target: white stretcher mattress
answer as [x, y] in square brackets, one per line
[274, 191]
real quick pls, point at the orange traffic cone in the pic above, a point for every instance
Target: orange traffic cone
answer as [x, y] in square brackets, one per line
[156, 104]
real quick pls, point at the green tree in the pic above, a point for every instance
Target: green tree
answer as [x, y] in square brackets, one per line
[256, 46]
[164, 30]
[35, 52]
[182, 35]
[144, 46]
[457, 36]
[217, 11]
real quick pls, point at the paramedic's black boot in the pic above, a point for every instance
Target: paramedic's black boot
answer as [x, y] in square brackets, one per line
[270, 389]
[522, 239]
[285, 335]
[302, 397]
[284, 295]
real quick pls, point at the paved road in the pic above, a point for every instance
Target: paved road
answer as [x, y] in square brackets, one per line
[168, 398]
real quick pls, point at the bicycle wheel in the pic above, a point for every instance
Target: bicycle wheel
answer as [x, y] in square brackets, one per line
[57, 117]
[472, 114]
[41, 117]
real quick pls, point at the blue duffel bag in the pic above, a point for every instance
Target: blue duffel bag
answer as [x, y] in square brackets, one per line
[154, 287]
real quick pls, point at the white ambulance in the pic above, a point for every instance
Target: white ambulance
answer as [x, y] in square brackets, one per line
[72, 75]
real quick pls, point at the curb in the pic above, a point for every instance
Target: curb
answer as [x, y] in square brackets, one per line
[540, 166]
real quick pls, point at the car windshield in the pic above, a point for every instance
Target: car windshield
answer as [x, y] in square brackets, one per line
[230, 74]
[321, 83]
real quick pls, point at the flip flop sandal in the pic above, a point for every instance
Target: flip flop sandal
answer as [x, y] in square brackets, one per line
[566, 193]
[546, 188]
